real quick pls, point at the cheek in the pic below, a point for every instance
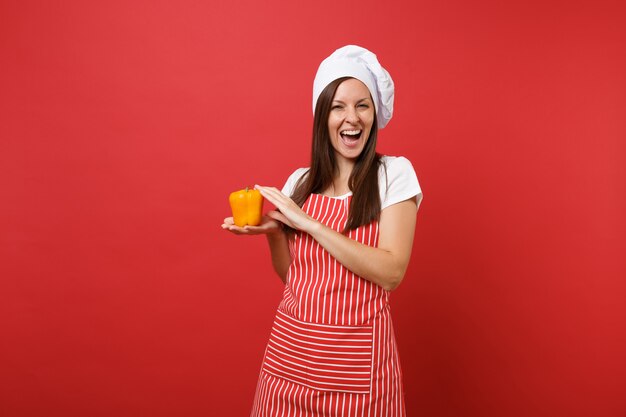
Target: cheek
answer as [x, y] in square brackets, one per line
[368, 119]
[333, 125]
[371, 119]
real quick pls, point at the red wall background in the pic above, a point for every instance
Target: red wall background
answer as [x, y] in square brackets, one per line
[124, 126]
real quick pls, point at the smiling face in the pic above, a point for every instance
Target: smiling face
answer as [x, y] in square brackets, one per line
[350, 120]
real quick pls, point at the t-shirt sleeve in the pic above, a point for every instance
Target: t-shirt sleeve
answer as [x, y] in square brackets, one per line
[290, 185]
[398, 183]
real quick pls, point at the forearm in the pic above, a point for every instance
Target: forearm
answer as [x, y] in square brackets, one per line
[373, 264]
[279, 249]
[384, 265]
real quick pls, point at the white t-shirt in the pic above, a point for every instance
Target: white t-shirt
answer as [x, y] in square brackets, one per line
[400, 182]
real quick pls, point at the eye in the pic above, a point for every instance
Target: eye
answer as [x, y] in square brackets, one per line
[364, 106]
[336, 107]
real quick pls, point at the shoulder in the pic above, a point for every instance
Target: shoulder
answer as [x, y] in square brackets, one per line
[297, 174]
[392, 167]
[397, 181]
[395, 163]
[293, 179]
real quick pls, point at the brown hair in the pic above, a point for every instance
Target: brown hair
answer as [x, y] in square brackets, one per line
[363, 181]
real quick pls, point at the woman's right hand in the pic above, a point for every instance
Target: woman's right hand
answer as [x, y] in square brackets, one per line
[268, 226]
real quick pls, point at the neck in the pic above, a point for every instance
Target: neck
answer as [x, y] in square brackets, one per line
[344, 169]
[339, 185]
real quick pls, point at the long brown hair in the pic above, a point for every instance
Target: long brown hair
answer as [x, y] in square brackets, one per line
[363, 181]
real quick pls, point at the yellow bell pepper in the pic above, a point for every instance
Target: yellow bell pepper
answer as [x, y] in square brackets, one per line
[247, 207]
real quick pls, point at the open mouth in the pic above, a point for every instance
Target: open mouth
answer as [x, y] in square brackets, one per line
[350, 137]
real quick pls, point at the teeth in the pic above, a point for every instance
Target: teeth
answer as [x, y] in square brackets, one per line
[351, 132]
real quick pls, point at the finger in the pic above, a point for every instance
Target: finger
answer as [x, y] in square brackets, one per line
[236, 229]
[267, 195]
[270, 192]
[277, 198]
[278, 216]
[254, 230]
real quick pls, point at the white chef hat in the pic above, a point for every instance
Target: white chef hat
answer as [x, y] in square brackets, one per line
[357, 62]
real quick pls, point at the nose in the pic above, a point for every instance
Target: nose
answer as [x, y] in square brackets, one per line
[351, 115]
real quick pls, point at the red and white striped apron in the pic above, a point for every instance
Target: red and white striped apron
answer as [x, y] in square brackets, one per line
[332, 349]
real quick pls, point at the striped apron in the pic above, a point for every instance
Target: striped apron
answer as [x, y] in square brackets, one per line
[332, 349]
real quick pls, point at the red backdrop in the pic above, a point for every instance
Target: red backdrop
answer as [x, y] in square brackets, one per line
[124, 126]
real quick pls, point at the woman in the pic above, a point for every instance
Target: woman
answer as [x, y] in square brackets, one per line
[341, 240]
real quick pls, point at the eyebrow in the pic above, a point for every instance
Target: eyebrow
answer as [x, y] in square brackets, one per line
[363, 99]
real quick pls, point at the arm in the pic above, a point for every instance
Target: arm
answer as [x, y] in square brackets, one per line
[281, 258]
[276, 238]
[384, 265]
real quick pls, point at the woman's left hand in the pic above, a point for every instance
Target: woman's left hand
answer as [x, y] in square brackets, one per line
[288, 212]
